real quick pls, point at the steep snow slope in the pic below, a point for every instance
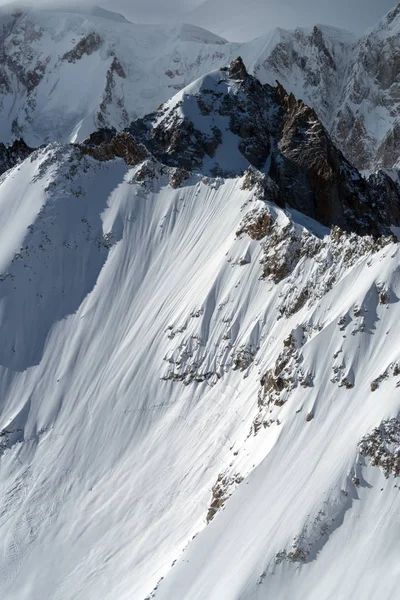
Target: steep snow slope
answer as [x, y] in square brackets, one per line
[151, 365]
[65, 73]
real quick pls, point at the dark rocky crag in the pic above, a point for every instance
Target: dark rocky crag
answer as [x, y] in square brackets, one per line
[283, 138]
[12, 155]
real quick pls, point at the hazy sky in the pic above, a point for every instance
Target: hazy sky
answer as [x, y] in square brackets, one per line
[245, 19]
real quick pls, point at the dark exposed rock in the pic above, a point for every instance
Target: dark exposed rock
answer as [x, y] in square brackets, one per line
[386, 193]
[179, 144]
[175, 140]
[12, 155]
[328, 188]
[382, 447]
[106, 145]
[87, 45]
[318, 40]
[14, 61]
[278, 135]
[256, 226]
[177, 177]
[237, 69]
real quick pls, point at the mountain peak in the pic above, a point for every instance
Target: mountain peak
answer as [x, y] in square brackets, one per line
[237, 69]
[219, 127]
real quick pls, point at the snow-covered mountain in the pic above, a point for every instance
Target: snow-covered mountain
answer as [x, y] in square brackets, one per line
[199, 381]
[199, 312]
[367, 125]
[64, 73]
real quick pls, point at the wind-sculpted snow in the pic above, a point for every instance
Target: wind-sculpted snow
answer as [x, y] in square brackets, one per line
[158, 374]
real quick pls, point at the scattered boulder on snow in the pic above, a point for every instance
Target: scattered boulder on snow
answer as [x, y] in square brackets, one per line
[221, 491]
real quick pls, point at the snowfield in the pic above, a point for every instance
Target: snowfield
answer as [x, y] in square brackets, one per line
[149, 373]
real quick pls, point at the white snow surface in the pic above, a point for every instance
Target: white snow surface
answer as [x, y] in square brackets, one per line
[107, 463]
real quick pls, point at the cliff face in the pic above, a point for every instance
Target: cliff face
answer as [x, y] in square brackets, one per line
[366, 125]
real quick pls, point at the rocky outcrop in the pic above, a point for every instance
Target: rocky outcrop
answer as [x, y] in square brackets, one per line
[86, 46]
[382, 447]
[292, 161]
[176, 139]
[106, 144]
[328, 188]
[12, 155]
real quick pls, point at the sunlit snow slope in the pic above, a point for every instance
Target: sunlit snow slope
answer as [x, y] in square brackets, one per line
[151, 367]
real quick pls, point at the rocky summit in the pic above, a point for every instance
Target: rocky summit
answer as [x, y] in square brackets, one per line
[227, 122]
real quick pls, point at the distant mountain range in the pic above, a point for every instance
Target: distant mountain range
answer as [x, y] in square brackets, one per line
[64, 74]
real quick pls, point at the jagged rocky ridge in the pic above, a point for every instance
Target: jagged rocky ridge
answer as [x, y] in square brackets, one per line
[228, 122]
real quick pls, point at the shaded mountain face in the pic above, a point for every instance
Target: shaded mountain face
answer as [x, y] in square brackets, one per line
[13, 154]
[366, 123]
[228, 122]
